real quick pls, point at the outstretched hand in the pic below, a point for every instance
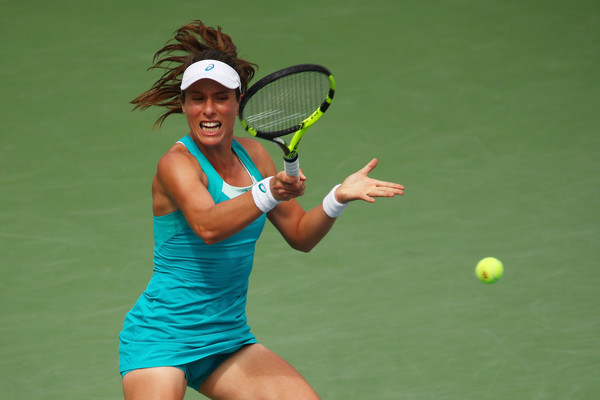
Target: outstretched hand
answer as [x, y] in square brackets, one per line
[359, 186]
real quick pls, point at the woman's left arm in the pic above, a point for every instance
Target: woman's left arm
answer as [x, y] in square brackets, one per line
[303, 230]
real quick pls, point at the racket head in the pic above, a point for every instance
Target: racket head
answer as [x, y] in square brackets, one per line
[287, 100]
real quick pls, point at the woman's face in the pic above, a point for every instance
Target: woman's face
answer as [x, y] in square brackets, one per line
[211, 110]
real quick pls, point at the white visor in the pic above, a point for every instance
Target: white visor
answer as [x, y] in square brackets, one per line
[211, 69]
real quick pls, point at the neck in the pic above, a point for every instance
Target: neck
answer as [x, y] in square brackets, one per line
[226, 163]
[221, 155]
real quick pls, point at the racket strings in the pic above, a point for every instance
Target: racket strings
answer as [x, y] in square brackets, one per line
[285, 103]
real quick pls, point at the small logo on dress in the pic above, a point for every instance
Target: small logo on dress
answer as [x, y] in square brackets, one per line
[262, 188]
[209, 67]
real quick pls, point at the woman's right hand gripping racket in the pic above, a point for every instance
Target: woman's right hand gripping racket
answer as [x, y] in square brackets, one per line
[287, 101]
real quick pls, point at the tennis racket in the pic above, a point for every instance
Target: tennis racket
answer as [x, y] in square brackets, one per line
[287, 101]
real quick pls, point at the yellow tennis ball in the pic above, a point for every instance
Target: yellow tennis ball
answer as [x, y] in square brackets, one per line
[489, 270]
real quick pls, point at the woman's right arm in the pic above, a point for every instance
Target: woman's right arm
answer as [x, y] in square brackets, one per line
[181, 184]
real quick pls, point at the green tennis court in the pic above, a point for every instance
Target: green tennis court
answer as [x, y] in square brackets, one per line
[487, 111]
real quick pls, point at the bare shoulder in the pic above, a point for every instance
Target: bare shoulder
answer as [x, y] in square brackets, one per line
[179, 181]
[259, 155]
[178, 160]
[252, 146]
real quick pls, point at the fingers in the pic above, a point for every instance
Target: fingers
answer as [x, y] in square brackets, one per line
[289, 178]
[386, 189]
[302, 176]
[389, 187]
[359, 186]
[386, 192]
[369, 167]
[285, 187]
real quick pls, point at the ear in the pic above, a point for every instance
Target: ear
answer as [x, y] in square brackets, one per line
[182, 102]
[239, 100]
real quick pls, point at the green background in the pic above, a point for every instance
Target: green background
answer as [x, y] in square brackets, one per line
[487, 111]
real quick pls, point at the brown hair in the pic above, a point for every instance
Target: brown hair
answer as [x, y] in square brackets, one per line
[192, 43]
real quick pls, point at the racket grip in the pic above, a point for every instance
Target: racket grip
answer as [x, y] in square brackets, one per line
[292, 167]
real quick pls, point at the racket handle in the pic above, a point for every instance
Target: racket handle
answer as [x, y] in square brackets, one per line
[292, 167]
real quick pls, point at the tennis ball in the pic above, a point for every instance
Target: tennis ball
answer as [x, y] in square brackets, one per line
[489, 270]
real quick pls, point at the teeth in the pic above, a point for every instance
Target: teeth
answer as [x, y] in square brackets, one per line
[210, 125]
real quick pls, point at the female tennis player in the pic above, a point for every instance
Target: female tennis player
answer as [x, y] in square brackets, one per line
[211, 195]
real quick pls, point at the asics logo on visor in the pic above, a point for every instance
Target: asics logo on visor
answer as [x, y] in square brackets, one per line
[209, 67]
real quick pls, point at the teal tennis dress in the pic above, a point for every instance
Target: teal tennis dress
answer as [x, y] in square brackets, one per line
[195, 304]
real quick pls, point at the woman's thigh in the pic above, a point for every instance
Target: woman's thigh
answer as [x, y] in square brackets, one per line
[255, 372]
[164, 383]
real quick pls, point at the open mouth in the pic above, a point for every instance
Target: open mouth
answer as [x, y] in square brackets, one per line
[210, 127]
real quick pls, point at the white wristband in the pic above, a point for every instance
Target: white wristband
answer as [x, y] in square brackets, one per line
[331, 206]
[263, 198]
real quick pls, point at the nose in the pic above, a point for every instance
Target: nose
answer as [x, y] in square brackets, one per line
[209, 107]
